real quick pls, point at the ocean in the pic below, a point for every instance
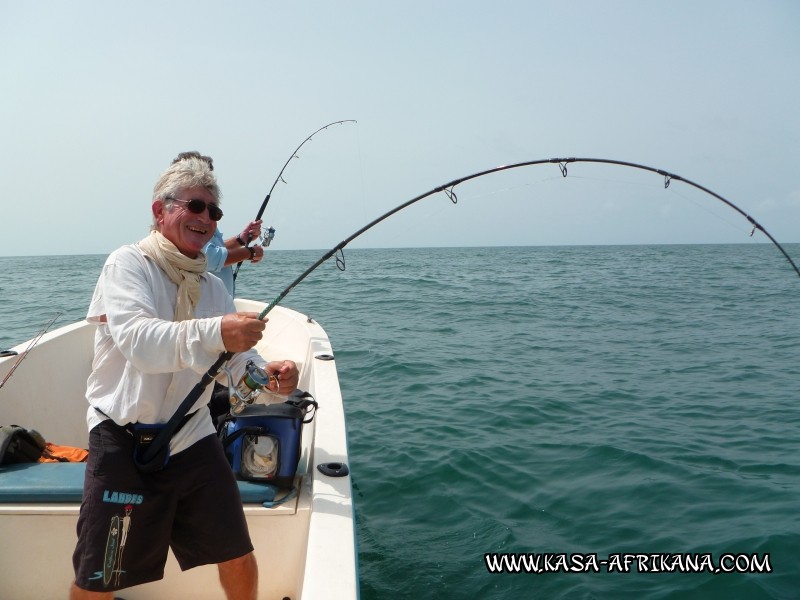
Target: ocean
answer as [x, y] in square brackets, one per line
[627, 416]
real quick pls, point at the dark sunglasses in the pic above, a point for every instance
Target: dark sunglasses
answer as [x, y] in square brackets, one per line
[197, 207]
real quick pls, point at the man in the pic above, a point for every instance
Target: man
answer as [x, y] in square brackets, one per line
[161, 322]
[221, 255]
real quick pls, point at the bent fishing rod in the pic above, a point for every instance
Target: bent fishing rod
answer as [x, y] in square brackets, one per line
[449, 190]
[261, 210]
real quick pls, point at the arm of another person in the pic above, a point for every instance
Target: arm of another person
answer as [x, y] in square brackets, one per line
[224, 253]
[239, 251]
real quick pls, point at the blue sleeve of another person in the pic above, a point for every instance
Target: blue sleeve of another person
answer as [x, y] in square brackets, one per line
[217, 253]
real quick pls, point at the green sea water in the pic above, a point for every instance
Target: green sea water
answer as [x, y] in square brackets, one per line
[571, 401]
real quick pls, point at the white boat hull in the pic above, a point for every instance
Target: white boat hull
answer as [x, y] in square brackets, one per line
[305, 547]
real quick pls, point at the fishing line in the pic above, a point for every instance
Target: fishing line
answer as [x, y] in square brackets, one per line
[449, 190]
[511, 188]
[30, 347]
[672, 190]
[361, 169]
[280, 178]
[708, 210]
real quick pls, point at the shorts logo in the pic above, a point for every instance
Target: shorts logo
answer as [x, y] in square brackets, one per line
[115, 546]
[122, 497]
[118, 530]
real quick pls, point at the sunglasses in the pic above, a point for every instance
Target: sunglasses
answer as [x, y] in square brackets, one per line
[197, 207]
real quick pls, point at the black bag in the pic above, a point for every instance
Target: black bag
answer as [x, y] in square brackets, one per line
[143, 437]
[149, 454]
[20, 445]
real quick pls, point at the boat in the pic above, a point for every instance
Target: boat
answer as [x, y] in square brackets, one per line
[305, 546]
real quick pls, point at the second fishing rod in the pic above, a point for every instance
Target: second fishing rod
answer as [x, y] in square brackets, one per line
[271, 231]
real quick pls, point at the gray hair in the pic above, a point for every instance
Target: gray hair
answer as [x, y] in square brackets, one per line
[189, 170]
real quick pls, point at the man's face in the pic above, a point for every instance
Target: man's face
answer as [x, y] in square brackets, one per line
[187, 230]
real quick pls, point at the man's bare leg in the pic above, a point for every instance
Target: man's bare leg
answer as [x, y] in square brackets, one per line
[76, 593]
[239, 577]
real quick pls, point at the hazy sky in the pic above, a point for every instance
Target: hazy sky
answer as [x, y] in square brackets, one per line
[98, 97]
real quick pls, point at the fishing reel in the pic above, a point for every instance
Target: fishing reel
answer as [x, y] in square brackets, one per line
[249, 387]
[267, 237]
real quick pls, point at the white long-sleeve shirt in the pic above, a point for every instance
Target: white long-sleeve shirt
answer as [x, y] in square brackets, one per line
[145, 363]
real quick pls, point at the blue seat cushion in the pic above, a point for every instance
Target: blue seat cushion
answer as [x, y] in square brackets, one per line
[63, 482]
[41, 482]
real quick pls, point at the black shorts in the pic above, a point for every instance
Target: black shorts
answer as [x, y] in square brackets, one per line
[128, 520]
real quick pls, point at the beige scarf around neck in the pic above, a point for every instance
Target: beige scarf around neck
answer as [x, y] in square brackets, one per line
[182, 271]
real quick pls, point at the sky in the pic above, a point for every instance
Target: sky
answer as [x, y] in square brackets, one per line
[98, 97]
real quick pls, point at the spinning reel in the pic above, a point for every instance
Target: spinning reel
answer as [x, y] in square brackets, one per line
[267, 237]
[249, 387]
